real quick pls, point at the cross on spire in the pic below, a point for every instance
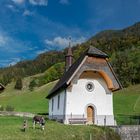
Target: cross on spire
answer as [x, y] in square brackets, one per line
[70, 40]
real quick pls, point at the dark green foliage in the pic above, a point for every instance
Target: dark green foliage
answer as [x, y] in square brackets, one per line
[1, 108]
[18, 84]
[32, 67]
[32, 84]
[9, 108]
[53, 73]
[127, 66]
[122, 46]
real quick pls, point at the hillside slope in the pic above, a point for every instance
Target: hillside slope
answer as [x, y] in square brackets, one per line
[127, 105]
[126, 101]
[122, 46]
[26, 100]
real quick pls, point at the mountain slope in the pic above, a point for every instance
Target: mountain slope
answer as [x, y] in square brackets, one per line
[123, 47]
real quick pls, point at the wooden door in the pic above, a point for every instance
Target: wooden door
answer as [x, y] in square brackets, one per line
[90, 114]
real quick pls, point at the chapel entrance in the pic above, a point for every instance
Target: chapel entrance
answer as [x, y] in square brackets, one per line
[90, 114]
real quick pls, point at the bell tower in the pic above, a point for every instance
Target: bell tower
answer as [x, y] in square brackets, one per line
[68, 57]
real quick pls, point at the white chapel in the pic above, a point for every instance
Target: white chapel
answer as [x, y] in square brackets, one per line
[84, 94]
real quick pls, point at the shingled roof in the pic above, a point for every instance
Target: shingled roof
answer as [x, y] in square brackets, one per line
[62, 83]
[96, 52]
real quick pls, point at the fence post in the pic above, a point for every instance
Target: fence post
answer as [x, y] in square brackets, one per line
[105, 120]
[90, 136]
[71, 117]
[83, 118]
[130, 119]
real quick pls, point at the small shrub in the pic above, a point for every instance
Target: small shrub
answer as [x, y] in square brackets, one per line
[19, 84]
[9, 108]
[32, 84]
[1, 108]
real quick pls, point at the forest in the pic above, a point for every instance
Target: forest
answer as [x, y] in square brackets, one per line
[122, 47]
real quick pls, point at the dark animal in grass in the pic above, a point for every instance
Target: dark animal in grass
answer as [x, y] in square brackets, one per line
[39, 120]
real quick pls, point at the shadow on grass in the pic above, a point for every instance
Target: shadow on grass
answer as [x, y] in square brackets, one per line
[43, 114]
[127, 119]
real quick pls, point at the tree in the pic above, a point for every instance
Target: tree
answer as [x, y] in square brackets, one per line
[18, 84]
[32, 85]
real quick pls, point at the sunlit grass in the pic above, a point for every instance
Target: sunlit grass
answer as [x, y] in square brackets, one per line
[26, 100]
[11, 129]
[127, 103]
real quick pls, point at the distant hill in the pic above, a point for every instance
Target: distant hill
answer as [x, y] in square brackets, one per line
[122, 46]
[133, 30]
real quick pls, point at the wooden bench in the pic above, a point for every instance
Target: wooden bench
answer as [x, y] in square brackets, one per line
[77, 120]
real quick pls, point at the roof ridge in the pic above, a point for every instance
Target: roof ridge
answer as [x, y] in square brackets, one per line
[96, 52]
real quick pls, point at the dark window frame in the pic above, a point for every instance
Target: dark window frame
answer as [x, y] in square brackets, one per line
[52, 104]
[58, 102]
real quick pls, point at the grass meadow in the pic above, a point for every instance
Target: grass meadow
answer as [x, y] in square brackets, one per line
[11, 129]
[126, 102]
[127, 105]
[26, 100]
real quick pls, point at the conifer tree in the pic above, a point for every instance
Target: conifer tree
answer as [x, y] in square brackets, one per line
[19, 84]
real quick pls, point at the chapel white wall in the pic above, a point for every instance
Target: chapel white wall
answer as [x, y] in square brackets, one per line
[78, 99]
[57, 113]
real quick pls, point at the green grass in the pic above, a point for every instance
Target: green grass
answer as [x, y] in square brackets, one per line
[127, 103]
[25, 100]
[10, 129]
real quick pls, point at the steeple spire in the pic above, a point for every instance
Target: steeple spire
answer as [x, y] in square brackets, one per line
[69, 56]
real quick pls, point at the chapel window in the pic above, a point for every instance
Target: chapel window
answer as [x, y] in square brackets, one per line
[90, 86]
[58, 102]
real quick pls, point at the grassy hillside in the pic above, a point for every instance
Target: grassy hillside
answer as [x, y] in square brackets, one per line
[53, 73]
[26, 100]
[127, 103]
[10, 129]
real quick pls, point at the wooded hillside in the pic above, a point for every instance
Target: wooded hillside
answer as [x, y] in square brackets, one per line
[122, 46]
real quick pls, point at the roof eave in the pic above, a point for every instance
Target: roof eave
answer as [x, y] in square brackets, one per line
[114, 90]
[2, 86]
[52, 93]
[97, 55]
[119, 83]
